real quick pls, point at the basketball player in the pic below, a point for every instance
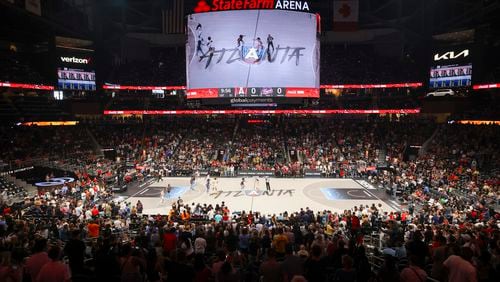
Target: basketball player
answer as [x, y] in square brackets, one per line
[192, 182]
[260, 45]
[209, 42]
[199, 43]
[169, 189]
[242, 183]
[198, 48]
[210, 53]
[270, 43]
[208, 185]
[214, 185]
[240, 41]
[162, 196]
[268, 186]
[256, 184]
[159, 177]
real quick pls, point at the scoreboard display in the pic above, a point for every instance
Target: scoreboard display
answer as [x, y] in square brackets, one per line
[250, 92]
[451, 76]
[451, 67]
[75, 69]
[252, 53]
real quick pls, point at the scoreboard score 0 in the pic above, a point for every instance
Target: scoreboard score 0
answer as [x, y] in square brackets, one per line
[252, 92]
[246, 92]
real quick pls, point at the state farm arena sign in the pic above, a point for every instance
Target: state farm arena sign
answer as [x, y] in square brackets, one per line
[227, 5]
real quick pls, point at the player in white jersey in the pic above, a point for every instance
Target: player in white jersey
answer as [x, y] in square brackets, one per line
[215, 182]
[256, 184]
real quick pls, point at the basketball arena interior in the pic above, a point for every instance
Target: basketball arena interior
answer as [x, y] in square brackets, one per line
[249, 140]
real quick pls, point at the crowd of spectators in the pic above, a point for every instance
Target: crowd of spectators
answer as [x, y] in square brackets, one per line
[258, 147]
[200, 148]
[447, 229]
[17, 67]
[160, 70]
[97, 238]
[285, 145]
[27, 143]
[361, 65]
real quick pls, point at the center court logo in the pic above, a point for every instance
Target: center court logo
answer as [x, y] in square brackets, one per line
[252, 54]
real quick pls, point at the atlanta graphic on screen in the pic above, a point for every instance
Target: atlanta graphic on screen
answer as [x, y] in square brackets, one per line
[249, 53]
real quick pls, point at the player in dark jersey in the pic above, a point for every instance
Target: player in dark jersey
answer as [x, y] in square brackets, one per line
[192, 181]
[242, 183]
[240, 41]
[259, 44]
[199, 42]
[270, 43]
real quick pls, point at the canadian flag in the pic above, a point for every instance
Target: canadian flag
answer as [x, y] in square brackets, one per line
[345, 14]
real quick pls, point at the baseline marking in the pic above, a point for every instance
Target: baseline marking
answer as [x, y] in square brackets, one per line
[396, 208]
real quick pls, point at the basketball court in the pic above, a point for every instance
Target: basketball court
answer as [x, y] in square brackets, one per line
[286, 194]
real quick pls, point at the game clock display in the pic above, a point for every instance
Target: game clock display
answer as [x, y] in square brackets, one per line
[246, 92]
[251, 92]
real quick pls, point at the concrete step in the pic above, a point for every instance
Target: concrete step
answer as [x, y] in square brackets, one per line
[32, 190]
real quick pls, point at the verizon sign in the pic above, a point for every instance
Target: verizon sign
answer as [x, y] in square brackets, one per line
[75, 60]
[451, 55]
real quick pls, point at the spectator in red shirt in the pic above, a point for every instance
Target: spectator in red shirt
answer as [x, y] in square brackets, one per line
[93, 228]
[169, 240]
[55, 270]
[355, 225]
[6, 211]
[38, 259]
[95, 211]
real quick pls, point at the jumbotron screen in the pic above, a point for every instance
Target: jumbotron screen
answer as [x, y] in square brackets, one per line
[75, 79]
[252, 53]
[75, 69]
[451, 67]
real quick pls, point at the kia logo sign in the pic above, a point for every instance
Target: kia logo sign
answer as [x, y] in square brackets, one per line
[451, 55]
[75, 60]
